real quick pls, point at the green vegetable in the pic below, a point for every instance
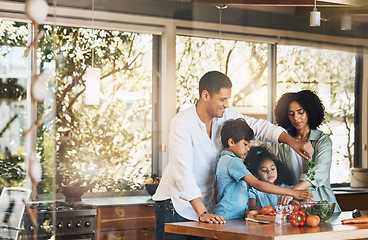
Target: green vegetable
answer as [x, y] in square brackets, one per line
[323, 211]
[356, 213]
[310, 169]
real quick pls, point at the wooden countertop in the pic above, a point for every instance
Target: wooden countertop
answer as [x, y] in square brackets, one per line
[241, 229]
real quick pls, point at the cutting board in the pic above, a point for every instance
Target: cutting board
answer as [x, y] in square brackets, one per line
[262, 217]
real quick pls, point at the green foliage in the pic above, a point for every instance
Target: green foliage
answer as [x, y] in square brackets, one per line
[311, 171]
[12, 34]
[107, 147]
[244, 62]
[11, 91]
[11, 170]
[323, 209]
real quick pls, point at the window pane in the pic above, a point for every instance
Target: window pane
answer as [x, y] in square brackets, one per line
[331, 74]
[244, 62]
[106, 147]
[13, 107]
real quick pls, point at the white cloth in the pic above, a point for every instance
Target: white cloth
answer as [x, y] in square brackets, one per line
[193, 158]
[297, 162]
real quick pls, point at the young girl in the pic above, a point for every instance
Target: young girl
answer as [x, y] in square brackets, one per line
[264, 165]
[233, 178]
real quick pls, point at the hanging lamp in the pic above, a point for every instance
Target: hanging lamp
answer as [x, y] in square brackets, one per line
[315, 16]
[92, 73]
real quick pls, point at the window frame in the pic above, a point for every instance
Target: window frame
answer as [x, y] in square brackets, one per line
[164, 61]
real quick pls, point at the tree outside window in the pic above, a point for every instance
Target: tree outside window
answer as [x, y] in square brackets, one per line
[330, 73]
[105, 147]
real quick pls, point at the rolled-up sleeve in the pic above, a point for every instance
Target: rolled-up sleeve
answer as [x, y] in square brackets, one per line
[263, 130]
[181, 155]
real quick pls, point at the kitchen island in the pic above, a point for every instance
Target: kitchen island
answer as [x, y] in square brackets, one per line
[241, 229]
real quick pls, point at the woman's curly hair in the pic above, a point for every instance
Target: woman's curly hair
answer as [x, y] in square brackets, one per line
[311, 104]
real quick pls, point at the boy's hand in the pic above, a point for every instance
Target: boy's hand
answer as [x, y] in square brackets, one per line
[212, 218]
[303, 195]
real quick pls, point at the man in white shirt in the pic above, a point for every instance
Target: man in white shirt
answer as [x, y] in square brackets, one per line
[186, 190]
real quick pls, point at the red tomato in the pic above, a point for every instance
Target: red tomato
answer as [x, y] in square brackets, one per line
[272, 214]
[313, 220]
[295, 205]
[267, 210]
[254, 212]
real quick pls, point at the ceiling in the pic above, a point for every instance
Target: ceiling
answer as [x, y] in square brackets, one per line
[329, 9]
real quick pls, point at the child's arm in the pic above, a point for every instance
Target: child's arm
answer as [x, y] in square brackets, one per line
[270, 188]
[302, 185]
[252, 204]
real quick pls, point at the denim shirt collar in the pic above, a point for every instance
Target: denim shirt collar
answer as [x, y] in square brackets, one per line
[224, 152]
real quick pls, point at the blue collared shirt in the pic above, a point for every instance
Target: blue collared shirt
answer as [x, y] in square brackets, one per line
[232, 189]
[266, 199]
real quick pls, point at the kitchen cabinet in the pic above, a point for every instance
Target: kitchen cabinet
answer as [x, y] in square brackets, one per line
[126, 222]
[130, 217]
[348, 201]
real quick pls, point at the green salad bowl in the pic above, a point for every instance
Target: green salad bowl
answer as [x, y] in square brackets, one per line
[322, 209]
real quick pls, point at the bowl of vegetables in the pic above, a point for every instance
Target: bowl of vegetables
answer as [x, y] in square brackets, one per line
[323, 209]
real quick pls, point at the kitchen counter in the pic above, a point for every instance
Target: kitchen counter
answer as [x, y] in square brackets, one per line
[349, 190]
[118, 201]
[241, 229]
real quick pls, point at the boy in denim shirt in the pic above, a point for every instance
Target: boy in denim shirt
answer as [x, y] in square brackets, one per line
[233, 178]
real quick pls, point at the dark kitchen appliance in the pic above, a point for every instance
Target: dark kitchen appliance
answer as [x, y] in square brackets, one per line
[70, 221]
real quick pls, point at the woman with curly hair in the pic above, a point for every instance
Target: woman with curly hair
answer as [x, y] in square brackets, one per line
[301, 113]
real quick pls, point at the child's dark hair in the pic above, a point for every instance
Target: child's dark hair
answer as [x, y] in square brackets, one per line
[237, 129]
[256, 155]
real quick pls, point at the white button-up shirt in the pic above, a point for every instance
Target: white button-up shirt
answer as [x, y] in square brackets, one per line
[193, 158]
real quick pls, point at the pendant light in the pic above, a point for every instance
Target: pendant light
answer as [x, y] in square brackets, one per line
[92, 73]
[220, 7]
[346, 22]
[315, 16]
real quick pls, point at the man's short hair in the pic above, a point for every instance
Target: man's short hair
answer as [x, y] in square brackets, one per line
[237, 129]
[213, 82]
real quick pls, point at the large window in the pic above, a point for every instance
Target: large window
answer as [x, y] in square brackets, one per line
[331, 74]
[13, 106]
[244, 62]
[106, 147]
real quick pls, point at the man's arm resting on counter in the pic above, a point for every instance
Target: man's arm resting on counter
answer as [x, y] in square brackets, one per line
[203, 214]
